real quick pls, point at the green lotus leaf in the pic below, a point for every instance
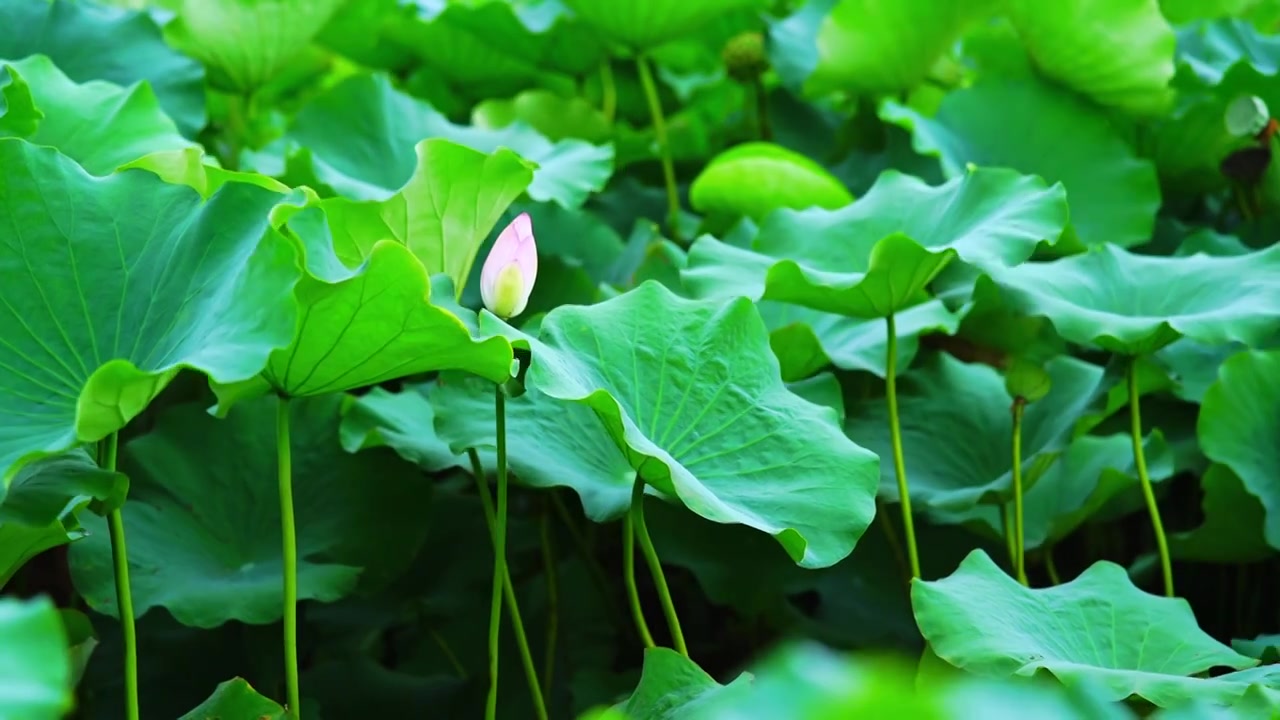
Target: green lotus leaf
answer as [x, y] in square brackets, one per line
[21, 117]
[754, 179]
[1183, 11]
[554, 116]
[957, 429]
[114, 284]
[99, 125]
[33, 651]
[1237, 418]
[244, 45]
[360, 136]
[875, 257]
[1127, 67]
[193, 168]
[1119, 301]
[1234, 527]
[869, 47]
[1097, 629]
[236, 698]
[672, 687]
[403, 421]
[1264, 647]
[1038, 129]
[94, 42]
[645, 24]
[1210, 49]
[807, 340]
[204, 515]
[690, 393]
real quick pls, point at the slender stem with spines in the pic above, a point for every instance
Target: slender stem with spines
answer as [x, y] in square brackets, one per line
[895, 438]
[664, 145]
[655, 567]
[1144, 479]
[107, 450]
[1019, 535]
[629, 568]
[289, 546]
[508, 590]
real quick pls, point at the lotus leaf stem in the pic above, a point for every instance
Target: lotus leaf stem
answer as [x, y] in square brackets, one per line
[289, 540]
[1140, 460]
[895, 437]
[608, 92]
[655, 567]
[553, 599]
[107, 451]
[1019, 534]
[629, 570]
[664, 146]
[1051, 567]
[503, 587]
[1006, 526]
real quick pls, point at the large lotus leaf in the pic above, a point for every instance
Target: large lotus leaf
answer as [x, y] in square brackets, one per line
[204, 515]
[1128, 67]
[1234, 524]
[33, 661]
[99, 125]
[1098, 628]
[691, 394]
[114, 284]
[876, 256]
[361, 133]
[754, 179]
[243, 44]
[550, 442]
[957, 429]
[1210, 49]
[88, 41]
[1126, 303]
[644, 24]
[672, 687]
[1238, 425]
[807, 340]
[367, 311]
[553, 115]
[1039, 129]
[403, 421]
[236, 698]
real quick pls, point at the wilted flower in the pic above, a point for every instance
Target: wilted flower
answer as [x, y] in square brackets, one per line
[510, 270]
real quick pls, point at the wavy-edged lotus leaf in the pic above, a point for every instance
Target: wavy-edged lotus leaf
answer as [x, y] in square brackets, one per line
[1210, 49]
[244, 45]
[33, 651]
[193, 168]
[20, 116]
[1234, 524]
[553, 115]
[359, 135]
[99, 125]
[875, 257]
[1121, 301]
[807, 340]
[673, 687]
[204, 515]
[236, 698]
[756, 178]
[1127, 67]
[644, 24]
[1024, 124]
[957, 429]
[690, 393]
[369, 310]
[114, 284]
[550, 442]
[40, 509]
[870, 47]
[1264, 647]
[403, 421]
[1238, 424]
[97, 42]
[1098, 629]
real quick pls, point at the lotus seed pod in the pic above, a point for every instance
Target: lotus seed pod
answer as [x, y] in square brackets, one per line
[744, 56]
[507, 278]
[1027, 380]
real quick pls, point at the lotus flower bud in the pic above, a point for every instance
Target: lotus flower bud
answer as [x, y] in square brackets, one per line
[510, 270]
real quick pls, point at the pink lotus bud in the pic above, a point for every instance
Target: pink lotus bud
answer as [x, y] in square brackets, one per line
[510, 270]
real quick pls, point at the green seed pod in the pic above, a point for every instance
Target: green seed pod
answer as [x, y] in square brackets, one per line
[744, 56]
[1027, 380]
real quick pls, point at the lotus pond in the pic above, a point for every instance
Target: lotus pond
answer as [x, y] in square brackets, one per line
[639, 360]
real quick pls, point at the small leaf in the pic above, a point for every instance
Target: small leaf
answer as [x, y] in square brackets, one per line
[33, 651]
[235, 698]
[672, 687]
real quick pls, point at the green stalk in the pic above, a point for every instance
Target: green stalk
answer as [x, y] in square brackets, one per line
[655, 567]
[553, 600]
[664, 147]
[1019, 542]
[895, 437]
[1006, 525]
[284, 472]
[107, 450]
[1140, 459]
[1051, 567]
[504, 588]
[608, 92]
[629, 568]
